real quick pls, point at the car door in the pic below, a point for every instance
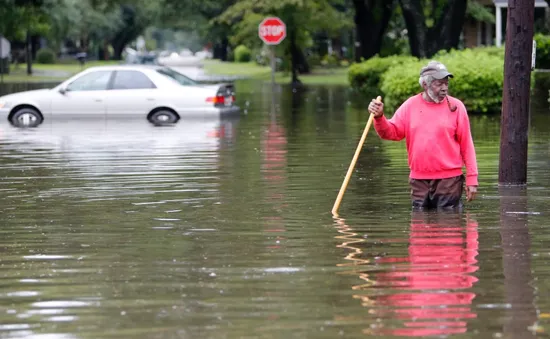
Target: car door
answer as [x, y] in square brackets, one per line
[132, 94]
[83, 97]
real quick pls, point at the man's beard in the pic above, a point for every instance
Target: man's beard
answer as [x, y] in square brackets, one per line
[432, 96]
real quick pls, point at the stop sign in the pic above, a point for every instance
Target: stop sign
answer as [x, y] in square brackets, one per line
[272, 30]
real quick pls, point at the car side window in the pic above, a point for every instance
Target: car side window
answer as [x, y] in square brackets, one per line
[93, 81]
[132, 80]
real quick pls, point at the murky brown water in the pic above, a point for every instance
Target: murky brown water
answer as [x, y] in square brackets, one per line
[215, 229]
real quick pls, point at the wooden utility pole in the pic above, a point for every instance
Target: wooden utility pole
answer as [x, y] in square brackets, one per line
[516, 92]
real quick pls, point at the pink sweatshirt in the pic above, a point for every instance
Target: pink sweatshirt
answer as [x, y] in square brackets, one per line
[439, 141]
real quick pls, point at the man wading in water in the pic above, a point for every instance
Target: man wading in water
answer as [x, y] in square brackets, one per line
[439, 142]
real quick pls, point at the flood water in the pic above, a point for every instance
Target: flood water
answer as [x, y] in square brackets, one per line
[222, 229]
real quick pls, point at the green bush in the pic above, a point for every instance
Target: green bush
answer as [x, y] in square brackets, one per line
[543, 51]
[231, 55]
[365, 76]
[242, 54]
[541, 80]
[489, 50]
[314, 60]
[478, 79]
[330, 61]
[45, 56]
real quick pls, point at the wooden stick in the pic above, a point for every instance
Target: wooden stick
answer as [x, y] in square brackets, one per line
[352, 165]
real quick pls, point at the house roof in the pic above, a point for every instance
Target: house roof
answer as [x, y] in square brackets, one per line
[504, 3]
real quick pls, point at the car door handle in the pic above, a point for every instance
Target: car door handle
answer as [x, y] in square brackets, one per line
[98, 100]
[150, 99]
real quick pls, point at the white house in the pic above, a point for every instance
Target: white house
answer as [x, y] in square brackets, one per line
[499, 5]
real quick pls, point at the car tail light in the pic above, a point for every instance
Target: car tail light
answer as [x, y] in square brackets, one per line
[218, 99]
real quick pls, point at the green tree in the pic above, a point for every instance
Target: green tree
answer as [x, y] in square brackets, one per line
[198, 16]
[83, 21]
[136, 17]
[301, 17]
[433, 25]
[21, 20]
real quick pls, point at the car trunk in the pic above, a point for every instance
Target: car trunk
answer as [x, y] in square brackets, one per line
[225, 94]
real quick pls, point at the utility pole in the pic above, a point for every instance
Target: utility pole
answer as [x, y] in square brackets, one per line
[516, 93]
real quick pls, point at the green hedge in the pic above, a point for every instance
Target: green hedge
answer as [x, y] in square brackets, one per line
[478, 78]
[242, 54]
[366, 75]
[543, 51]
[45, 56]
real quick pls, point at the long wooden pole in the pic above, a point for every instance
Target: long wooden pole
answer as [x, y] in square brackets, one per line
[352, 165]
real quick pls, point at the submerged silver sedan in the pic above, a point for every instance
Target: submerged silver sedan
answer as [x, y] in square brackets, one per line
[158, 94]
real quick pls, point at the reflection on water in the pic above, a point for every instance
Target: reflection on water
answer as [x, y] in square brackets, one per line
[120, 159]
[274, 167]
[521, 318]
[428, 290]
[221, 228]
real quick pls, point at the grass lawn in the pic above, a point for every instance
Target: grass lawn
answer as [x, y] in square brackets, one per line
[49, 73]
[23, 77]
[73, 67]
[246, 69]
[335, 76]
[61, 71]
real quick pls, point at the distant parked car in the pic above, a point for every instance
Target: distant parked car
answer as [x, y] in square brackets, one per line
[158, 94]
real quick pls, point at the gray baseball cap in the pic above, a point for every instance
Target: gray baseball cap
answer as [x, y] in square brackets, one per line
[436, 69]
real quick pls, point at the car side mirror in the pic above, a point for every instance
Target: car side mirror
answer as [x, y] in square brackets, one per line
[63, 90]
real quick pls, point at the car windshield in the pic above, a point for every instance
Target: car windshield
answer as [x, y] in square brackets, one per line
[178, 77]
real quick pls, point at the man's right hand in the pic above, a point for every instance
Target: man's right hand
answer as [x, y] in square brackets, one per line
[376, 108]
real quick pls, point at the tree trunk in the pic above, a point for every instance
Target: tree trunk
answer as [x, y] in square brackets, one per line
[223, 49]
[220, 49]
[216, 54]
[28, 49]
[293, 58]
[371, 26]
[84, 44]
[118, 48]
[298, 62]
[413, 13]
[446, 33]
[443, 35]
[132, 27]
[516, 92]
[105, 50]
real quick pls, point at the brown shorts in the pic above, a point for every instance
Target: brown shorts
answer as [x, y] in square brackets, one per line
[441, 194]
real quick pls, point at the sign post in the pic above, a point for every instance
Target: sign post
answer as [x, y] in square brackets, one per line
[2, 52]
[1, 62]
[272, 31]
[534, 55]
